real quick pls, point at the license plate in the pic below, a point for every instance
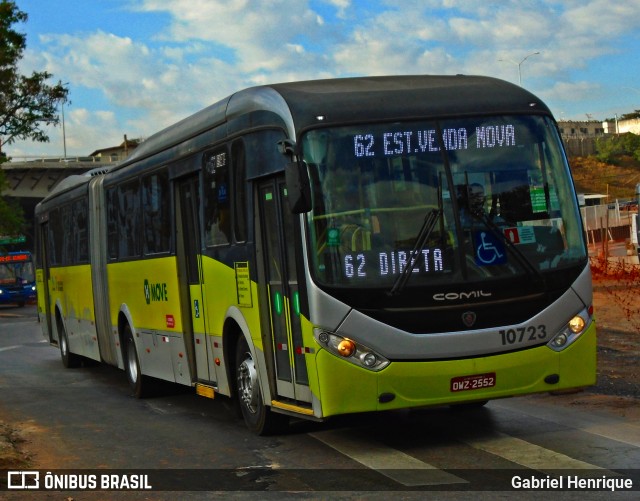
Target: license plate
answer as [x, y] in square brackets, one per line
[474, 382]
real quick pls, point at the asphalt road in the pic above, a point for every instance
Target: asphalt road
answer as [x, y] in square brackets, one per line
[85, 420]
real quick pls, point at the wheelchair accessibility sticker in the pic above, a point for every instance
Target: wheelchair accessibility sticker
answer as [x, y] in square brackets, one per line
[489, 249]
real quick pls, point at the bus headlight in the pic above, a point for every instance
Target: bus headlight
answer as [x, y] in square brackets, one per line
[351, 351]
[576, 324]
[574, 328]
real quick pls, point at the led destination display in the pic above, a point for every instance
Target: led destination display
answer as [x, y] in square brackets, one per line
[427, 141]
[387, 264]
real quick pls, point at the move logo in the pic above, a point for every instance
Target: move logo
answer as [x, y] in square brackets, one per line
[155, 292]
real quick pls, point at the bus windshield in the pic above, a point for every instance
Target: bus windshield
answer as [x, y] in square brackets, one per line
[440, 201]
[16, 269]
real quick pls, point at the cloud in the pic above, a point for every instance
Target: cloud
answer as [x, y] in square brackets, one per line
[573, 91]
[85, 131]
[152, 87]
[340, 5]
[601, 18]
[255, 32]
[207, 49]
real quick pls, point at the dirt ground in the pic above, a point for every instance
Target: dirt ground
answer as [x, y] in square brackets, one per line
[617, 312]
[616, 301]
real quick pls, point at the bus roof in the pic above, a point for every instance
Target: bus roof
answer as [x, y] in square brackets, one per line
[74, 180]
[387, 98]
[298, 105]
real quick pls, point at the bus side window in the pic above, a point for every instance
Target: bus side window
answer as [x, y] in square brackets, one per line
[129, 217]
[55, 237]
[80, 231]
[216, 198]
[155, 213]
[240, 190]
[112, 223]
[67, 239]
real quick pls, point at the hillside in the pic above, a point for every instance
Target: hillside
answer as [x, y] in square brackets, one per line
[618, 181]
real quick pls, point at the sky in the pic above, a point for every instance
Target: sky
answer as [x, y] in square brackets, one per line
[134, 67]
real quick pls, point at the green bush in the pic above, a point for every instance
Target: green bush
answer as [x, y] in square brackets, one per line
[609, 149]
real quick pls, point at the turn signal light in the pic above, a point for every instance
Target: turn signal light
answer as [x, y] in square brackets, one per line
[346, 347]
[576, 324]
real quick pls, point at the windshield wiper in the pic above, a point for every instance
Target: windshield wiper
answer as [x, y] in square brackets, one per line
[430, 221]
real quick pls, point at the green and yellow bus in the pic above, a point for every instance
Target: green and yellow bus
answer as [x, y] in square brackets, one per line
[328, 247]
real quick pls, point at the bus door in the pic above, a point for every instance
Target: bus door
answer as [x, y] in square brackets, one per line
[189, 248]
[282, 289]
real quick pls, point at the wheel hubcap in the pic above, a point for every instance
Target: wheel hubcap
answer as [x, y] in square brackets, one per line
[248, 384]
[132, 365]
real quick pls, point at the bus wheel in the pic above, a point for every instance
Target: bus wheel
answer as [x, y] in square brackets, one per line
[138, 383]
[69, 360]
[257, 416]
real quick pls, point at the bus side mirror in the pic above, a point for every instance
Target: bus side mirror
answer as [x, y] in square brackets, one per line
[298, 187]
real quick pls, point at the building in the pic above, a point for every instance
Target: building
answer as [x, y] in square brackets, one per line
[579, 136]
[622, 126]
[581, 128]
[116, 153]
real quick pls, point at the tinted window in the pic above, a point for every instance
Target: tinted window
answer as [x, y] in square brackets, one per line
[55, 237]
[240, 190]
[217, 217]
[129, 219]
[80, 232]
[156, 213]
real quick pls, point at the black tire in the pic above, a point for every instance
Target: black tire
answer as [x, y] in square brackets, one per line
[69, 360]
[139, 384]
[258, 417]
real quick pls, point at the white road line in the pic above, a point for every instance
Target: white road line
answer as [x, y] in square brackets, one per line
[530, 455]
[611, 427]
[410, 471]
[7, 348]
[390, 462]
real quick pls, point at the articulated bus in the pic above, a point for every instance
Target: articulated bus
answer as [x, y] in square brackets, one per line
[328, 247]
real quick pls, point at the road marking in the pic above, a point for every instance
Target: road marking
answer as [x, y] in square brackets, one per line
[410, 471]
[390, 462]
[7, 348]
[626, 433]
[613, 428]
[527, 454]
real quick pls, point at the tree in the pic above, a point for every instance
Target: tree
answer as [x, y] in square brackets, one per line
[631, 116]
[28, 104]
[609, 149]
